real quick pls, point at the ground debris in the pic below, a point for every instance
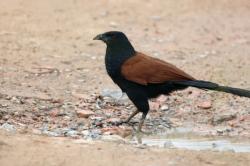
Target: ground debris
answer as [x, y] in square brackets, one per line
[44, 70]
[84, 113]
[220, 118]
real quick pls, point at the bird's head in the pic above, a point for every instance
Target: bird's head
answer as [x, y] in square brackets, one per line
[112, 37]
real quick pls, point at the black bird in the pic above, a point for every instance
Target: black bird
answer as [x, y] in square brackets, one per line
[143, 77]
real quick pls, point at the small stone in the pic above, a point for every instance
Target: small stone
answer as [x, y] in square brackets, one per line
[97, 118]
[50, 133]
[84, 113]
[3, 105]
[164, 107]
[203, 55]
[114, 94]
[113, 24]
[72, 133]
[66, 118]
[85, 132]
[223, 130]
[205, 105]
[245, 118]
[8, 127]
[162, 98]
[54, 112]
[36, 131]
[223, 117]
[94, 134]
[99, 124]
[6, 117]
[114, 120]
[154, 105]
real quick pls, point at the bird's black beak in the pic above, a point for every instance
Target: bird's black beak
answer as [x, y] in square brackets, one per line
[98, 37]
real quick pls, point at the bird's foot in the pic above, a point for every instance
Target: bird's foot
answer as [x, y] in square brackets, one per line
[122, 122]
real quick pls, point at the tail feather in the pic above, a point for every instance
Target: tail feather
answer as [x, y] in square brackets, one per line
[214, 86]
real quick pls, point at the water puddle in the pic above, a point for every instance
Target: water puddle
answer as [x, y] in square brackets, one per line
[190, 141]
[214, 145]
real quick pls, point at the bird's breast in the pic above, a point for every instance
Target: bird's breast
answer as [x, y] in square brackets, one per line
[112, 66]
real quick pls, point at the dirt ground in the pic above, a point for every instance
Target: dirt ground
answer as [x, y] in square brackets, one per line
[47, 52]
[20, 150]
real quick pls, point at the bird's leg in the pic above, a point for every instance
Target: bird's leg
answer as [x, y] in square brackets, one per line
[131, 116]
[143, 117]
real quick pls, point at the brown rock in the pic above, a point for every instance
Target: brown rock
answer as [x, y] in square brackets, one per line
[162, 99]
[54, 113]
[205, 104]
[84, 113]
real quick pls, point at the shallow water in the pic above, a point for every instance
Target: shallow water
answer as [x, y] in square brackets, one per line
[185, 139]
[196, 144]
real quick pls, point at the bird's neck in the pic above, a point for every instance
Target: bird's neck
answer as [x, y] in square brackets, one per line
[116, 55]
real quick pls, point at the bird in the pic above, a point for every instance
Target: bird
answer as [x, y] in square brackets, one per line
[143, 77]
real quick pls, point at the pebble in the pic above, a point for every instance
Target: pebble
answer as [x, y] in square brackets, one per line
[50, 133]
[85, 132]
[6, 117]
[217, 119]
[162, 98]
[154, 105]
[113, 24]
[3, 105]
[97, 118]
[205, 105]
[100, 123]
[66, 118]
[8, 127]
[95, 134]
[164, 107]
[84, 113]
[71, 133]
[114, 94]
[36, 131]
[113, 120]
[54, 112]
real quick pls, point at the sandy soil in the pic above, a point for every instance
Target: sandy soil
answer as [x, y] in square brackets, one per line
[26, 150]
[46, 51]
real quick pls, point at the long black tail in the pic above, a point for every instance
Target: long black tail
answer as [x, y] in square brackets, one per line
[214, 86]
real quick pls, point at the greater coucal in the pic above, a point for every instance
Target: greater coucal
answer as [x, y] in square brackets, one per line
[143, 77]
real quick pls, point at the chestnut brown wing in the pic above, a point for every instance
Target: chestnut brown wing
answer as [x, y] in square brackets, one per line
[143, 69]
